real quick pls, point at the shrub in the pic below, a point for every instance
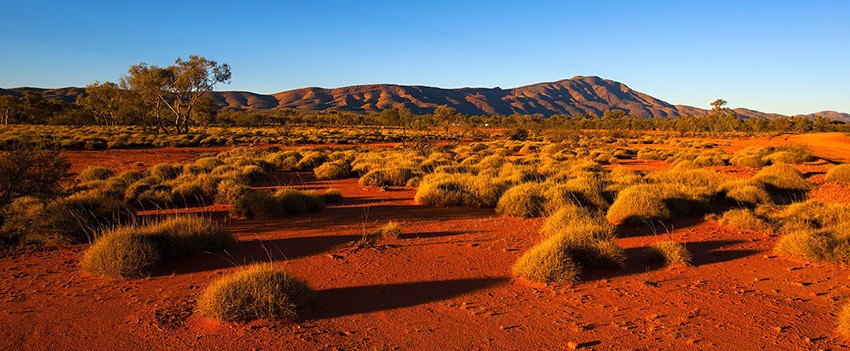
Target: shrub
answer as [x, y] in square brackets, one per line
[460, 189]
[744, 219]
[669, 252]
[547, 262]
[94, 173]
[257, 291]
[840, 173]
[332, 170]
[525, 200]
[137, 250]
[30, 169]
[782, 177]
[311, 160]
[569, 217]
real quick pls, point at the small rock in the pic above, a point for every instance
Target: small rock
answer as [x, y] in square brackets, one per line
[573, 345]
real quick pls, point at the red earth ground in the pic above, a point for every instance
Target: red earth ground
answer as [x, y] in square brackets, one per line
[444, 284]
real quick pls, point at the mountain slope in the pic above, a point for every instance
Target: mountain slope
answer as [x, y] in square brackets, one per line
[575, 96]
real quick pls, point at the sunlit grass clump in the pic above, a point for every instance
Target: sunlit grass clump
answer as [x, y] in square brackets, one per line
[669, 252]
[744, 219]
[581, 243]
[782, 177]
[844, 321]
[94, 173]
[137, 250]
[525, 200]
[284, 202]
[255, 292]
[840, 173]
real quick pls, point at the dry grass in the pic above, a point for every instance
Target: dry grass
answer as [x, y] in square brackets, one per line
[254, 292]
[94, 173]
[844, 321]
[576, 244]
[840, 173]
[137, 250]
[782, 177]
[669, 252]
[821, 245]
[744, 219]
[525, 200]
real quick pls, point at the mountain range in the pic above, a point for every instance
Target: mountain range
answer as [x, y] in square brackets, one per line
[578, 95]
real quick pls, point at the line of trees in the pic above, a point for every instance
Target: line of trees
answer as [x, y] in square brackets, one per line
[173, 98]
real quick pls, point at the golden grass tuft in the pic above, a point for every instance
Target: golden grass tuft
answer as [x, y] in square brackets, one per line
[525, 200]
[94, 173]
[137, 250]
[575, 244]
[744, 219]
[820, 245]
[669, 252]
[840, 173]
[782, 177]
[254, 292]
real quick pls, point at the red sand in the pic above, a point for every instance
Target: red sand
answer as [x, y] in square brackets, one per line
[445, 284]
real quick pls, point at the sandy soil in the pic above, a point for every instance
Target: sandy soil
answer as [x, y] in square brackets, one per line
[445, 284]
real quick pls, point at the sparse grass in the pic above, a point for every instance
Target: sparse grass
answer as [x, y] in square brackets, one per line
[747, 193]
[137, 250]
[391, 230]
[669, 252]
[254, 292]
[840, 173]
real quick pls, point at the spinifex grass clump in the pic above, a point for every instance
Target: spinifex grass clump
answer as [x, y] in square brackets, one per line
[284, 202]
[669, 252]
[137, 250]
[525, 200]
[254, 292]
[844, 321]
[815, 231]
[840, 173]
[744, 219]
[581, 243]
[782, 177]
[94, 173]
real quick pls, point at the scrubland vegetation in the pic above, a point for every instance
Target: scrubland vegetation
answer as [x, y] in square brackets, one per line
[575, 184]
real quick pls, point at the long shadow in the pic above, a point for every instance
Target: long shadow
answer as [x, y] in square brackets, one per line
[702, 253]
[656, 227]
[706, 252]
[340, 302]
[253, 251]
[341, 216]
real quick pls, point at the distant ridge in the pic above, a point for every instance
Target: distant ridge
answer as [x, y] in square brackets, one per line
[575, 96]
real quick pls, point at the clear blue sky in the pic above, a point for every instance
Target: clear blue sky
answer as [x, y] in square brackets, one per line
[775, 56]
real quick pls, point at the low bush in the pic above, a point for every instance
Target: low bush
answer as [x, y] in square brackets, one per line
[396, 176]
[645, 203]
[229, 191]
[139, 249]
[822, 245]
[165, 171]
[747, 193]
[254, 292]
[669, 252]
